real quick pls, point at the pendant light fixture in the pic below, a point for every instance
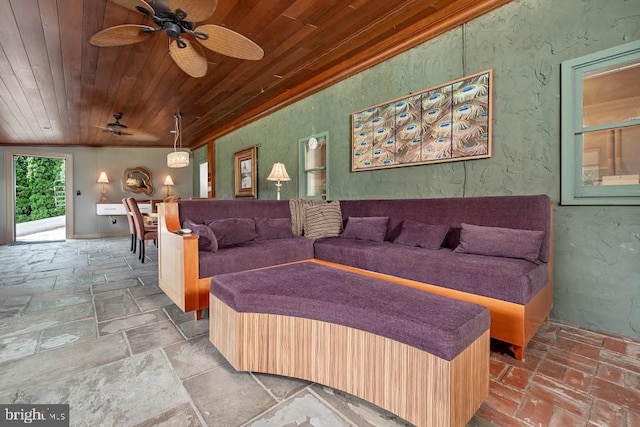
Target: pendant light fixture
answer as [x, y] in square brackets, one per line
[177, 158]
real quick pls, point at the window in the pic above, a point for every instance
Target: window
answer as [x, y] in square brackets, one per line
[600, 103]
[313, 166]
[203, 190]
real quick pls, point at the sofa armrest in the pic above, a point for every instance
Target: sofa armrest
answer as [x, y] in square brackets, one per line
[178, 269]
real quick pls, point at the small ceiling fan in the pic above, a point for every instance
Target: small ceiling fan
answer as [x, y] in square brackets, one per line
[119, 129]
[177, 18]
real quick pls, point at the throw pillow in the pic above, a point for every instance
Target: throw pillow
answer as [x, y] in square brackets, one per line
[296, 206]
[428, 236]
[233, 231]
[372, 228]
[503, 242]
[273, 228]
[322, 220]
[206, 238]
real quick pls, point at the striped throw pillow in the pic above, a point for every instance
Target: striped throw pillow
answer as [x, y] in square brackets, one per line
[296, 206]
[323, 220]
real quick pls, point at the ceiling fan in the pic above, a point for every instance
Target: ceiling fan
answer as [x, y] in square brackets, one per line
[177, 18]
[119, 129]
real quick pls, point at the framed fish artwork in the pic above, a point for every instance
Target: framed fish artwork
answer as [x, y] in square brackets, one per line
[445, 123]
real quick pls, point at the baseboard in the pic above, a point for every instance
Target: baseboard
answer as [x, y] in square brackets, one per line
[100, 235]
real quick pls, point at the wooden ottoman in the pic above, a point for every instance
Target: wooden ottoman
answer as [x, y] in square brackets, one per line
[423, 357]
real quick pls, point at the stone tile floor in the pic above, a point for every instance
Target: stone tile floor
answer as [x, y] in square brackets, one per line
[83, 322]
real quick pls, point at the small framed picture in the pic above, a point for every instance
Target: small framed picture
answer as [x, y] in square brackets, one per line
[246, 171]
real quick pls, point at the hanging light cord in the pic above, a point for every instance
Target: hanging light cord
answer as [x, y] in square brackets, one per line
[178, 134]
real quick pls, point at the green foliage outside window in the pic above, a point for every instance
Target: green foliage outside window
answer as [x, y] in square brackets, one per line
[35, 181]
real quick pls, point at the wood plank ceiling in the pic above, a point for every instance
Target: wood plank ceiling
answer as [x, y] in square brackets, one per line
[58, 89]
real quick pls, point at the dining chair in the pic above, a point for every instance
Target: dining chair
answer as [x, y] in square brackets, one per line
[143, 233]
[132, 226]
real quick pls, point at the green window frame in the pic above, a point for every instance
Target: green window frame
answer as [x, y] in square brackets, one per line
[312, 166]
[573, 189]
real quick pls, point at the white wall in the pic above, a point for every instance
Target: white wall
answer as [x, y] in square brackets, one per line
[88, 162]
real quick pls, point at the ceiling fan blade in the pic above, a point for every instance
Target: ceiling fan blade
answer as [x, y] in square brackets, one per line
[190, 59]
[229, 43]
[132, 4]
[132, 134]
[197, 10]
[121, 35]
[139, 135]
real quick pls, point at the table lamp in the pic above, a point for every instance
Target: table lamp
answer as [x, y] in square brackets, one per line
[278, 173]
[102, 179]
[168, 181]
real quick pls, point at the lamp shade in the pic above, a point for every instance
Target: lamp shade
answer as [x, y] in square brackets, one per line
[168, 180]
[278, 173]
[178, 159]
[102, 179]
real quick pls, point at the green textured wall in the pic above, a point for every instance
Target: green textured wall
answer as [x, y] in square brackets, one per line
[597, 249]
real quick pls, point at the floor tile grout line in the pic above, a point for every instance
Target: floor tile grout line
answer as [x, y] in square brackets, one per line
[206, 371]
[588, 394]
[330, 406]
[134, 299]
[593, 380]
[533, 375]
[132, 327]
[126, 340]
[278, 403]
[261, 384]
[175, 324]
[186, 392]
[63, 347]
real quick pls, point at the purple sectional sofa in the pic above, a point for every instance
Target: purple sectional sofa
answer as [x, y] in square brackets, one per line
[500, 272]
[510, 279]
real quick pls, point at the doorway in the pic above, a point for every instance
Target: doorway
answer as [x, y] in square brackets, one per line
[40, 199]
[39, 202]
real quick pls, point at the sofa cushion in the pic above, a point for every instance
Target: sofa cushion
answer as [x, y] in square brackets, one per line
[254, 254]
[507, 279]
[372, 228]
[428, 236]
[233, 231]
[206, 238]
[518, 212]
[323, 220]
[501, 242]
[296, 207]
[273, 228]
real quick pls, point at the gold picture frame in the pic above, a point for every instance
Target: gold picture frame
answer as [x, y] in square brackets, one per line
[444, 123]
[245, 172]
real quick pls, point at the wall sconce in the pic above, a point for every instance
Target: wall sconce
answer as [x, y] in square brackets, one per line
[102, 179]
[168, 181]
[278, 173]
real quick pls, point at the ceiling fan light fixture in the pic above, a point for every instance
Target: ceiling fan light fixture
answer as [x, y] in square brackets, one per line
[172, 30]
